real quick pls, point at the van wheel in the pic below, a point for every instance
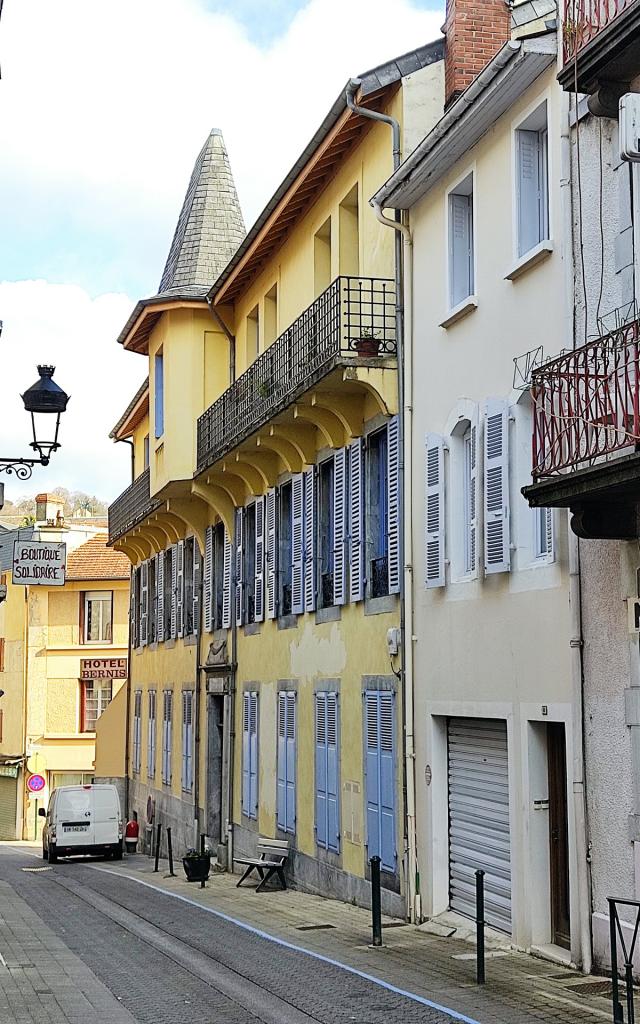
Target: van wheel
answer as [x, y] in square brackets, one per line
[52, 856]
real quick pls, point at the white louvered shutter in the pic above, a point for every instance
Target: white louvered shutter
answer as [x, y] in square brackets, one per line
[226, 581]
[310, 540]
[435, 575]
[340, 527]
[473, 499]
[239, 602]
[259, 580]
[297, 544]
[460, 248]
[197, 587]
[393, 504]
[174, 591]
[529, 190]
[497, 553]
[180, 609]
[207, 580]
[246, 755]
[160, 593]
[144, 603]
[133, 617]
[253, 752]
[270, 568]
[356, 521]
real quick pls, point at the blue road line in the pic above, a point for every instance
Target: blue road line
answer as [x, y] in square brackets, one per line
[454, 1014]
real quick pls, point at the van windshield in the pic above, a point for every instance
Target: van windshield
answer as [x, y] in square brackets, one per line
[73, 804]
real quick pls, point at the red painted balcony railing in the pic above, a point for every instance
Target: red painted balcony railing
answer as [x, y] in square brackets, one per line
[583, 19]
[586, 403]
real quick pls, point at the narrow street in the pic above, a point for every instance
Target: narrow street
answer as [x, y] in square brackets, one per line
[163, 962]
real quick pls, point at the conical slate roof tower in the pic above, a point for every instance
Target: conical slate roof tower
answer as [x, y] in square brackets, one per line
[210, 226]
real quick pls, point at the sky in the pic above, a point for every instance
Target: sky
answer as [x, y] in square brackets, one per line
[103, 110]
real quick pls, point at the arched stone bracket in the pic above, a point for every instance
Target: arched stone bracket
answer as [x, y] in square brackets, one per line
[251, 476]
[230, 482]
[301, 436]
[329, 425]
[349, 409]
[287, 452]
[218, 500]
[128, 550]
[168, 528]
[193, 512]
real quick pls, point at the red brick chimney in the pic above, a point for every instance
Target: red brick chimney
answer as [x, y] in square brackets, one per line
[475, 30]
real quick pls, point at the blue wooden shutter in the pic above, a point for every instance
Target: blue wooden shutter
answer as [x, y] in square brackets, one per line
[393, 505]
[529, 190]
[460, 248]
[356, 522]
[380, 762]
[281, 810]
[259, 552]
[333, 800]
[434, 512]
[239, 602]
[160, 591]
[158, 385]
[226, 581]
[180, 609]
[253, 755]
[144, 603]
[373, 774]
[297, 544]
[340, 527]
[207, 580]
[197, 587]
[321, 769]
[291, 763]
[271, 553]
[246, 755]
[309, 540]
[497, 549]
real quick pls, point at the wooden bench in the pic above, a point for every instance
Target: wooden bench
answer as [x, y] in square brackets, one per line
[272, 858]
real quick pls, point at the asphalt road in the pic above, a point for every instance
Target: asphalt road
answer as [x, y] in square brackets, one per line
[168, 962]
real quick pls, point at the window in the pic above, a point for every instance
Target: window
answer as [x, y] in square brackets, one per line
[326, 532]
[285, 550]
[137, 722]
[250, 754]
[151, 734]
[168, 601]
[253, 334]
[167, 724]
[217, 575]
[543, 533]
[96, 697]
[327, 790]
[98, 611]
[159, 394]
[152, 601]
[380, 778]
[377, 508]
[322, 258]
[189, 626]
[469, 499]
[146, 451]
[532, 185]
[187, 740]
[249, 574]
[461, 243]
[286, 795]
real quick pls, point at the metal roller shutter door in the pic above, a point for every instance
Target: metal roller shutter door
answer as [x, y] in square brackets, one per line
[8, 795]
[479, 834]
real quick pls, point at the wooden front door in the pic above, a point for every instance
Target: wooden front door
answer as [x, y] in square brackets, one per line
[558, 835]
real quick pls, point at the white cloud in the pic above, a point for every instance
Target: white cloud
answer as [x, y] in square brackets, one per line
[62, 325]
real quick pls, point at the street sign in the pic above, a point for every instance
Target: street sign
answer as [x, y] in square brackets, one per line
[103, 668]
[36, 783]
[39, 564]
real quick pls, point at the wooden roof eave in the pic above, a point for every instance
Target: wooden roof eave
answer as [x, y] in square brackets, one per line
[137, 338]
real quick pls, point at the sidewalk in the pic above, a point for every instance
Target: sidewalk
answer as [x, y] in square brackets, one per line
[520, 989]
[41, 979]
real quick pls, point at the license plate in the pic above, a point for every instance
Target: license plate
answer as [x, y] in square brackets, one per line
[76, 828]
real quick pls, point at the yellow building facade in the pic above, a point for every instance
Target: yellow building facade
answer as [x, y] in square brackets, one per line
[63, 656]
[263, 523]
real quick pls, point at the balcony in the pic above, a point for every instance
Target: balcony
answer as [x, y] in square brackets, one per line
[586, 431]
[351, 323]
[599, 44]
[131, 507]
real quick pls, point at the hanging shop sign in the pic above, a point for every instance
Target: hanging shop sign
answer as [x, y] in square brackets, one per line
[39, 564]
[103, 668]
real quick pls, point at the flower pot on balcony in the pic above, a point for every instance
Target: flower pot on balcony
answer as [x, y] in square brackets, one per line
[367, 346]
[197, 866]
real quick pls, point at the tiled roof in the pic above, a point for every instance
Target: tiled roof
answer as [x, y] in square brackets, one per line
[95, 561]
[210, 226]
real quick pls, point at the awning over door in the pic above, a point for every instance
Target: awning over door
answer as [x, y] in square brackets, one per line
[479, 835]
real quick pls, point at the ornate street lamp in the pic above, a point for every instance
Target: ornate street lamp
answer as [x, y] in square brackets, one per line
[46, 402]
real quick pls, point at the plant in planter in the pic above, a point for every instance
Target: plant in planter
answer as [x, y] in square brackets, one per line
[197, 865]
[368, 344]
[264, 389]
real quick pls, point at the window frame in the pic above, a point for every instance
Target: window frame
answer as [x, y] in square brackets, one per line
[325, 531]
[284, 548]
[377, 438]
[167, 736]
[99, 685]
[100, 642]
[152, 727]
[536, 113]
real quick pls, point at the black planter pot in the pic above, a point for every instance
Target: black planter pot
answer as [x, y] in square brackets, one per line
[197, 868]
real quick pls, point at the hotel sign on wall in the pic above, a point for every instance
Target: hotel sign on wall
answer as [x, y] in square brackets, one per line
[103, 668]
[38, 563]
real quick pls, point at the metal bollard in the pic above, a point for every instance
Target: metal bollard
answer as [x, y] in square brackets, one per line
[170, 852]
[376, 913]
[480, 977]
[157, 846]
[202, 883]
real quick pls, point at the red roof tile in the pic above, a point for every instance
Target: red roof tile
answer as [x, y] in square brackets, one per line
[95, 561]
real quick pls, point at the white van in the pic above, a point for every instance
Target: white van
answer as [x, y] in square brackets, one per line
[82, 819]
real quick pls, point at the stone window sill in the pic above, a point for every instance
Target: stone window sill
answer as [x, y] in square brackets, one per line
[460, 311]
[530, 259]
[331, 614]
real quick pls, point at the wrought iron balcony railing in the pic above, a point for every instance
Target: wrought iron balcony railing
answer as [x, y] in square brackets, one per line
[131, 507]
[353, 320]
[586, 403]
[584, 19]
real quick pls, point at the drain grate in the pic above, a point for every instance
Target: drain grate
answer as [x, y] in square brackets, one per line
[395, 924]
[593, 988]
[34, 870]
[313, 927]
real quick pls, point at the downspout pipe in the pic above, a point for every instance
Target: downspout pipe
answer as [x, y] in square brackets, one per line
[407, 692]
